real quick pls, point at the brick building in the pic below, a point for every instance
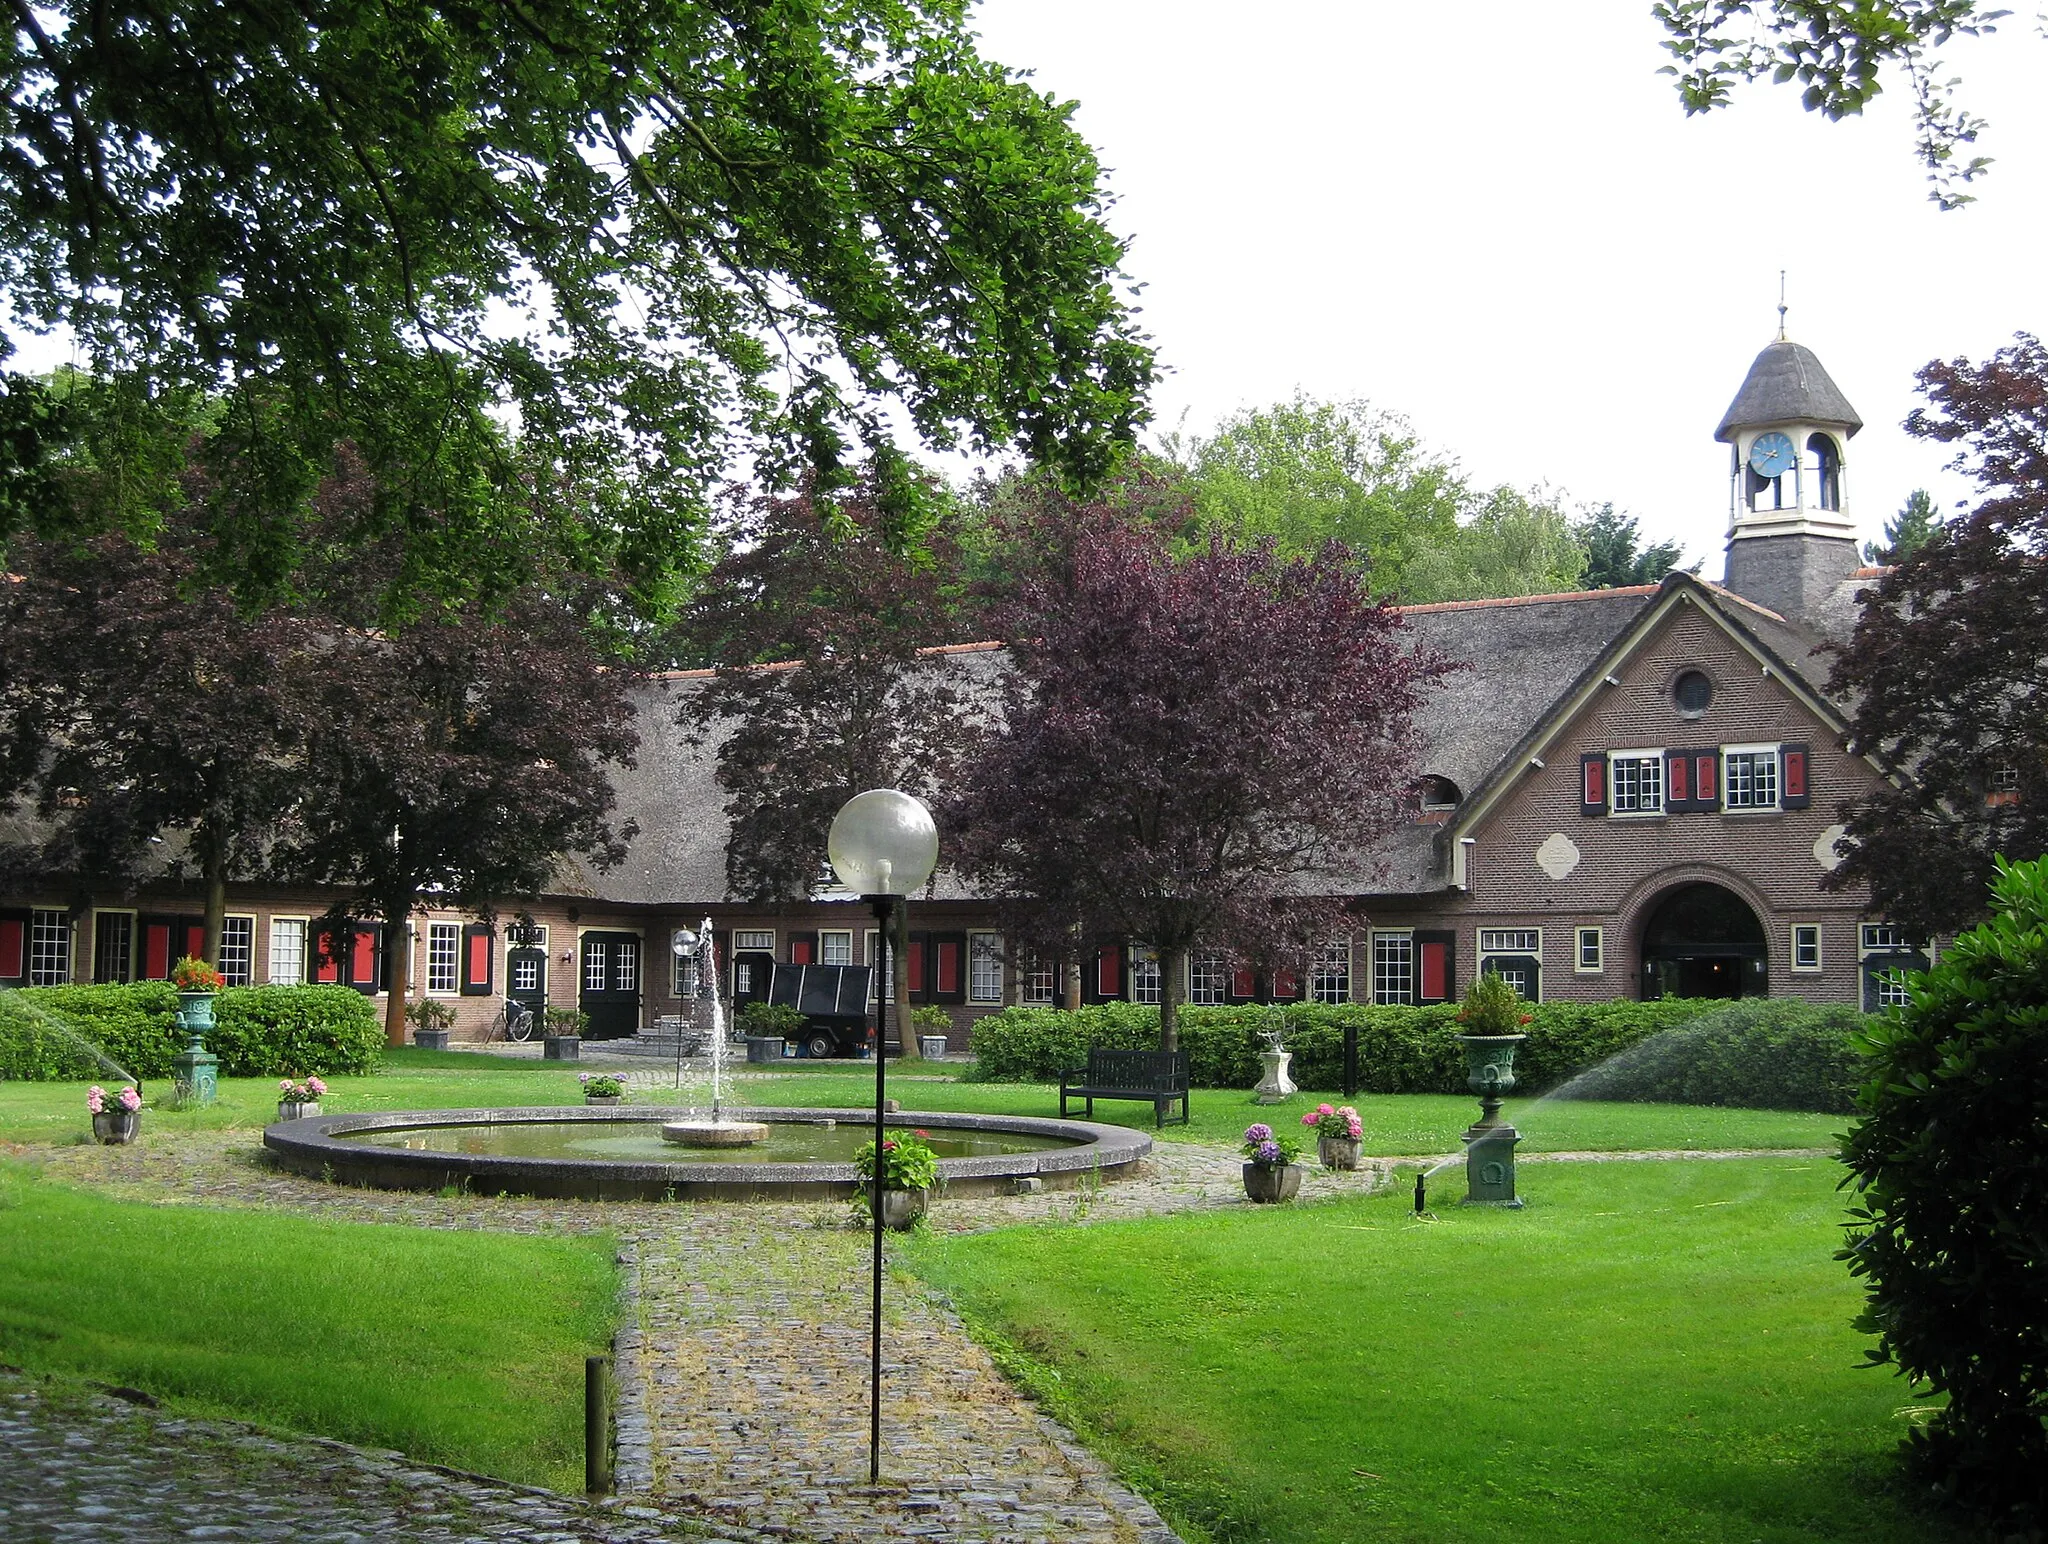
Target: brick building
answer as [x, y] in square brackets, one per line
[1630, 792]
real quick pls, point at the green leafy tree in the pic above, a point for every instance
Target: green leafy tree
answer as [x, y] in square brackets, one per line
[1304, 473]
[1615, 554]
[1839, 51]
[1950, 1226]
[1906, 532]
[659, 237]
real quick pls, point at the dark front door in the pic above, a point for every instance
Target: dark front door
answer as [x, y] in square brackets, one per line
[752, 970]
[526, 980]
[1704, 941]
[610, 992]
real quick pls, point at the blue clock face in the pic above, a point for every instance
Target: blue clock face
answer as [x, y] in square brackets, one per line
[1772, 455]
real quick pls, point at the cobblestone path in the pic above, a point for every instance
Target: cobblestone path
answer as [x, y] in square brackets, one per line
[89, 1467]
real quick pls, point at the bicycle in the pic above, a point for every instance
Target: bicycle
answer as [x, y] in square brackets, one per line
[515, 1021]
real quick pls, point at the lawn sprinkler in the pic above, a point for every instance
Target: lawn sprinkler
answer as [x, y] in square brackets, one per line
[1421, 1192]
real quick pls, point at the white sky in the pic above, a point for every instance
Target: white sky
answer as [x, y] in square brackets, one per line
[1493, 217]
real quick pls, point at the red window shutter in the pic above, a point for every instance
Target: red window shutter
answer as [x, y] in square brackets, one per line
[328, 967]
[195, 940]
[1286, 984]
[1681, 781]
[1109, 972]
[1705, 782]
[479, 948]
[13, 949]
[362, 969]
[800, 952]
[1243, 983]
[916, 967]
[1593, 781]
[948, 982]
[156, 951]
[1433, 972]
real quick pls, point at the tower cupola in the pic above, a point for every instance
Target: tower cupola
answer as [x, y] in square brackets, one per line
[1791, 540]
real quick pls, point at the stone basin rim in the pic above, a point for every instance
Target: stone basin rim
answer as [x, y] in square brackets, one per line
[313, 1146]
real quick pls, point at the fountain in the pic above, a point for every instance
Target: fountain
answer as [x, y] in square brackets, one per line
[718, 1131]
[44, 1019]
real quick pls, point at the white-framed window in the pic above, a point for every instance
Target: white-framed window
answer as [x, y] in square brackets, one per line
[1883, 938]
[288, 950]
[2005, 779]
[593, 967]
[754, 939]
[1635, 780]
[49, 948]
[1145, 977]
[1589, 954]
[1890, 989]
[835, 946]
[1330, 980]
[237, 951]
[880, 982]
[1749, 777]
[1511, 940]
[683, 976]
[113, 946]
[626, 965]
[444, 949]
[1038, 984]
[984, 967]
[1208, 977]
[1393, 967]
[1806, 946]
[524, 973]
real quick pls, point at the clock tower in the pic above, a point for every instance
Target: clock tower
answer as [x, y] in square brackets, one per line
[1791, 540]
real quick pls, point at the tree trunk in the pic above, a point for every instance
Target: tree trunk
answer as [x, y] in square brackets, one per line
[215, 850]
[398, 965]
[899, 964]
[1173, 975]
[1072, 974]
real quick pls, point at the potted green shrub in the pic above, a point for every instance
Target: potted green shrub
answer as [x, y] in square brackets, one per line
[931, 1024]
[297, 1101]
[116, 1118]
[1490, 1028]
[602, 1087]
[1339, 1132]
[431, 1020]
[909, 1170]
[1270, 1172]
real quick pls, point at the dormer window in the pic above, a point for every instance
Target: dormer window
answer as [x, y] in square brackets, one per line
[1437, 792]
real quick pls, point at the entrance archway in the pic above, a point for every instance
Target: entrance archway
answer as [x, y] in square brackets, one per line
[1703, 941]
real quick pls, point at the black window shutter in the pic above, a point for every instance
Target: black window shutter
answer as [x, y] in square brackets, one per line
[1593, 784]
[479, 954]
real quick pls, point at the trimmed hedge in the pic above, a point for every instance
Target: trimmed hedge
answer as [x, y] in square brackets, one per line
[260, 1031]
[1759, 1054]
[1415, 1050]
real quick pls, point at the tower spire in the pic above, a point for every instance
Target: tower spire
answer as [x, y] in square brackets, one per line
[1781, 305]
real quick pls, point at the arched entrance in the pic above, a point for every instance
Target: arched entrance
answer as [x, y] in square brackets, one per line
[1703, 941]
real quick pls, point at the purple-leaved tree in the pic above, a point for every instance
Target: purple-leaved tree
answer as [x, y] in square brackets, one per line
[1194, 751]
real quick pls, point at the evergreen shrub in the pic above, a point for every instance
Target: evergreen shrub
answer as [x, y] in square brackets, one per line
[1949, 1233]
[1758, 1054]
[1400, 1050]
[262, 1031]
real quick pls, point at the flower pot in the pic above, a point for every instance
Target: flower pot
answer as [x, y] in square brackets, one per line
[195, 1012]
[1272, 1182]
[902, 1208]
[297, 1110]
[1490, 1063]
[1337, 1152]
[430, 1039]
[117, 1127]
[931, 1047]
[602, 1098]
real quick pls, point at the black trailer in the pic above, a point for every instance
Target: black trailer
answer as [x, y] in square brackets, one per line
[834, 1002]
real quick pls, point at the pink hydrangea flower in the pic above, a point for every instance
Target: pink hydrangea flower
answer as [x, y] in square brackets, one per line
[284, 1085]
[316, 1085]
[96, 1100]
[131, 1101]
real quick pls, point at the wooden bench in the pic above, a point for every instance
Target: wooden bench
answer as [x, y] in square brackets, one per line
[1158, 1077]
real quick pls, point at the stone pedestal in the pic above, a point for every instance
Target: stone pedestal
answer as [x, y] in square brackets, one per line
[1275, 1085]
[1490, 1165]
[430, 1039]
[723, 1133]
[931, 1047]
[195, 1073]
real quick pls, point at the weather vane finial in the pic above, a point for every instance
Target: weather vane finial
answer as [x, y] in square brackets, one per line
[1781, 305]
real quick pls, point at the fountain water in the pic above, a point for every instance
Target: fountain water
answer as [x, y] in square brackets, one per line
[718, 1131]
[44, 1019]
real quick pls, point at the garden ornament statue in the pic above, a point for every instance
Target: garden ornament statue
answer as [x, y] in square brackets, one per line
[1274, 1084]
[195, 1071]
[883, 845]
[1491, 1022]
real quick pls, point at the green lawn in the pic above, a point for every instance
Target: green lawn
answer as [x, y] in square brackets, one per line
[1395, 1124]
[458, 1348]
[1649, 1352]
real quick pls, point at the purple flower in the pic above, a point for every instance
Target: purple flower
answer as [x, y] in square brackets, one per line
[1268, 1153]
[1258, 1132]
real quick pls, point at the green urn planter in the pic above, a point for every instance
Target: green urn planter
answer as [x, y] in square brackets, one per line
[1490, 1142]
[195, 1070]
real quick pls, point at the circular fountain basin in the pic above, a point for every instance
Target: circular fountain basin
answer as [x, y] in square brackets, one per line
[714, 1133]
[621, 1154]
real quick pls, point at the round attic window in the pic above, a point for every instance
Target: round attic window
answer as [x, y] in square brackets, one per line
[1693, 693]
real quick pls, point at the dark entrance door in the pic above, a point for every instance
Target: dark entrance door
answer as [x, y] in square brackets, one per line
[526, 979]
[1704, 941]
[610, 991]
[752, 970]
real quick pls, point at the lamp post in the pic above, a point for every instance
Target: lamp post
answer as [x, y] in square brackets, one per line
[883, 845]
